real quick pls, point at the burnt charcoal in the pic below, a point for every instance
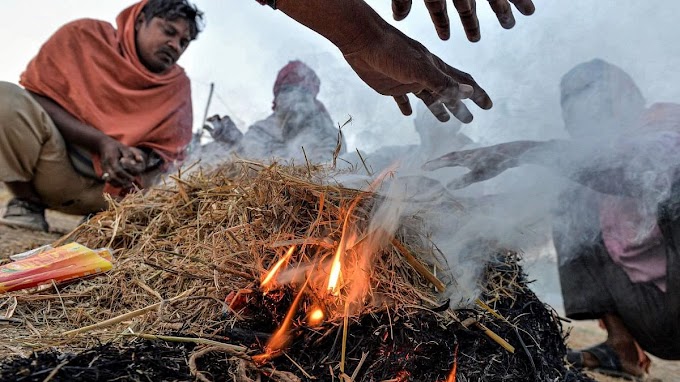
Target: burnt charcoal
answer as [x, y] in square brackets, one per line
[134, 361]
[416, 345]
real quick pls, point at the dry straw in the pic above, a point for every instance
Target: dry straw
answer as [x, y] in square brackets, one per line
[182, 248]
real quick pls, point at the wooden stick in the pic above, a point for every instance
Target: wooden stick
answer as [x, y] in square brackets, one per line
[207, 107]
[325, 243]
[56, 370]
[302, 370]
[496, 337]
[418, 266]
[345, 329]
[233, 349]
[361, 363]
[124, 317]
[486, 307]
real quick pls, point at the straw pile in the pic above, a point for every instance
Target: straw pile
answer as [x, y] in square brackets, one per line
[185, 252]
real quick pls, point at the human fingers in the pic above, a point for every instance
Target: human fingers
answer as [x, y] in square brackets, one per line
[453, 159]
[436, 107]
[479, 95]
[404, 104]
[440, 17]
[467, 11]
[401, 9]
[132, 154]
[439, 107]
[459, 110]
[117, 175]
[450, 93]
[525, 7]
[438, 81]
[133, 160]
[442, 85]
[503, 13]
[132, 166]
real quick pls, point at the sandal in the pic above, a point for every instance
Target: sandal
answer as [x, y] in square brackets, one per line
[609, 361]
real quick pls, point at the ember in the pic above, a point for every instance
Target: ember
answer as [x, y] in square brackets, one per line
[315, 317]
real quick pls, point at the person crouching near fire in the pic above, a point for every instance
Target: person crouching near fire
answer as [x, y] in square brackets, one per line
[300, 128]
[101, 110]
[616, 227]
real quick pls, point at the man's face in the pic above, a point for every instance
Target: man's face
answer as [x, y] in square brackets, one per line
[161, 42]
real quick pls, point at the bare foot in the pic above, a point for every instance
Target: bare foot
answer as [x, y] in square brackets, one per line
[624, 345]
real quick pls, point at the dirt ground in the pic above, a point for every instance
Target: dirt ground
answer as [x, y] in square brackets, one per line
[583, 334]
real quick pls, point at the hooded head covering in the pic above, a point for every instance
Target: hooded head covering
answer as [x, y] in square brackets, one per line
[92, 71]
[297, 74]
[599, 98]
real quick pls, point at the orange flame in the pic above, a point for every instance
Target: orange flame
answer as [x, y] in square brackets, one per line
[281, 338]
[454, 370]
[336, 270]
[275, 270]
[336, 267]
[345, 242]
[315, 317]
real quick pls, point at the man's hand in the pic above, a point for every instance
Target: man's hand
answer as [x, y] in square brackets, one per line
[223, 129]
[387, 60]
[484, 163]
[396, 65]
[120, 163]
[467, 11]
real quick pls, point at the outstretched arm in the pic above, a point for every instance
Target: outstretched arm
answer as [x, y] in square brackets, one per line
[626, 171]
[387, 60]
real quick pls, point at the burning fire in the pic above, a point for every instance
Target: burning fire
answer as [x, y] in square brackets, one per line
[351, 256]
[269, 277]
[336, 270]
[281, 338]
[454, 369]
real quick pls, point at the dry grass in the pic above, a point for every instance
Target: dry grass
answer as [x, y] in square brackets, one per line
[181, 249]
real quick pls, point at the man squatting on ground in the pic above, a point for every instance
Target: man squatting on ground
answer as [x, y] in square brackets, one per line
[102, 110]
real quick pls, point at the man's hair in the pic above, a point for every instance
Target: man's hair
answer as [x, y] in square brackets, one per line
[172, 10]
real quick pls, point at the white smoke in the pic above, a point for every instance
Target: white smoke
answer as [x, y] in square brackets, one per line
[610, 149]
[245, 44]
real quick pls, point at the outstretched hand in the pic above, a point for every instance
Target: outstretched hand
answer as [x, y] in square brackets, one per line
[387, 60]
[397, 65]
[467, 11]
[484, 163]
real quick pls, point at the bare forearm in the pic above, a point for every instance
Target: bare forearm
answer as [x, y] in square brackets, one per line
[73, 131]
[584, 164]
[345, 23]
